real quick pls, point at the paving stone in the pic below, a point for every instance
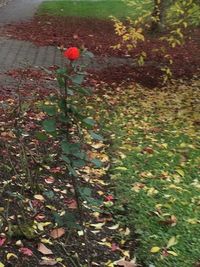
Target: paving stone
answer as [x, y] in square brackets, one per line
[23, 54]
[17, 10]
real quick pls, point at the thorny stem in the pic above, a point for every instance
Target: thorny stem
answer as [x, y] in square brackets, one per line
[80, 209]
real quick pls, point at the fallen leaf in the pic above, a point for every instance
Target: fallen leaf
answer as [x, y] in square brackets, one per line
[72, 204]
[44, 250]
[172, 253]
[114, 247]
[125, 263]
[48, 261]
[97, 226]
[9, 255]
[114, 227]
[26, 251]
[172, 242]
[180, 172]
[109, 198]
[58, 232]
[2, 241]
[39, 197]
[49, 180]
[155, 250]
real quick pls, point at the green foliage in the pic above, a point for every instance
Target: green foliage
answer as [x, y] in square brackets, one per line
[168, 19]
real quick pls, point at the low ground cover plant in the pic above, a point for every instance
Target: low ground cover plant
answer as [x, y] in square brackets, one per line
[52, 185]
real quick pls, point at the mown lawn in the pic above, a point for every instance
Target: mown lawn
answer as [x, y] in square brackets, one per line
[93, 9]
[155, 156]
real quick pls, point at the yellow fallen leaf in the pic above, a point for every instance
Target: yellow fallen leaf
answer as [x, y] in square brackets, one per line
[39, 197]
[180, 172]
[121, 168]
[193, 221]
[152, 191]
[172, 242]
[109, 264]
[155, 250]
[46, 241]
[97, 226]
[9, 255]
[114, 227]
[81, 233]
[2, 265]
[172, 253]
[41, 225]
[126, 253]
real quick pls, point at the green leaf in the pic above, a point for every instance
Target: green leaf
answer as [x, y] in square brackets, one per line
[61, 71]
[65, 147]
[50, 110]
[66, 159]
[78, 163]
[63, 118]
[70, 91]
[49, 125]
[62, 104]
[85, 191]
[72, 171]
[77, 79]
[41, 136]
[75, 148]
[50, 194]
[96, 136]
[69, 220]
[61, 82]
[79, 154]
[89, 121]
[97, 163]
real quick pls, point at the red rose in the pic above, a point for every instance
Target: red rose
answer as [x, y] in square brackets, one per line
[72, 53]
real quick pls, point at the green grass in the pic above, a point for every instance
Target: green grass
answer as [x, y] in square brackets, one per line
[92, 9]
[156, 155]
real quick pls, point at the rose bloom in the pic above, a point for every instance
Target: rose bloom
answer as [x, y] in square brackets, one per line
[72, 53]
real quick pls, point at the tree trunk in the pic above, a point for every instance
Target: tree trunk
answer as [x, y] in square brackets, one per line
[157, 16]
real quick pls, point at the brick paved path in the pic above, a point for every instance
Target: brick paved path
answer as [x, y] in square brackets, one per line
[23, 54]
[17, 10]
[15, 54]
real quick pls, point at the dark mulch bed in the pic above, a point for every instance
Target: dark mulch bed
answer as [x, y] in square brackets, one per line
[52, 184]
[98, 36]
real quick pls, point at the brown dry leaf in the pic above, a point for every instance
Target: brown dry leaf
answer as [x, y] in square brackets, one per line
[49, 180]
[72, 204]
[58, 232]
[44, 250]
[172, 221]
[48, 262]
[125, 263]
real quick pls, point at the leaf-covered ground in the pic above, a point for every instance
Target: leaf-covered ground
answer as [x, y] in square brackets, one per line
[155, 152]
[40, 223]
[73, 31]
